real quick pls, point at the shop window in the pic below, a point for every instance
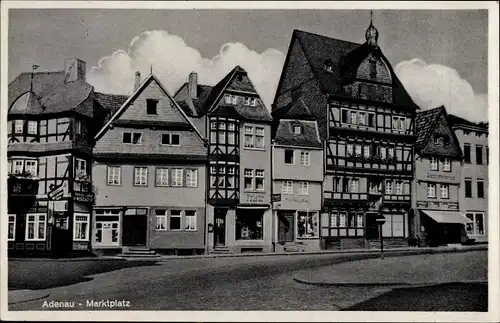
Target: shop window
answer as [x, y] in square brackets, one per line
[249, 225]
[107, 226]
[81, 226]
[190, 220]
[161, 220]
[393, 226]
[12, 228]
[35, 227]
[175, 220]
[476, 227]
[307, 224]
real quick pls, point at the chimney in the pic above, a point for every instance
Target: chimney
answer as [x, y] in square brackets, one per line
[137, 80]
[193, 85]
[74, 69]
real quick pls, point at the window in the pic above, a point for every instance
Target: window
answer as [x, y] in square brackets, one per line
[361, 118]
[434, 163]
[297, 130]
[467, 158]
[390, 152]
[32, 127]
[431, 190]
[12, 228]
[170, 139]
[18, 166]
[383, 153]
[445, 191]
[175, 220]
[349, 149]
[259, 137]
[289, 157]
[358, 150]
[213, 125]
[177, 176]
[476, 227]
[161, 220]
[366, 151]
[399, 188]
[304, 188]
[31, 167]
[191, 177]
[305, 158]
[388, 187]
[373, 69]
[114, 175]
[249, 225]
[354, 187]
[359, 220]
[78, 126]
[487, 155]
[336, 184]
[134, 138]
[479, 154]
[249, 138]
[151, 106]
[161, 176]
[446, 165]
[353, 117]
[375, 187]
[190, 220]
[480, 188]
[259, 179]
[248, 174]
[344, 118]
[398, 123]
[307, 224]
[371, 119]
[81, 227]
[140, 176]
[287, 187]
[18, 126]
[80, 166]
[342, 219]
[468, 187]
[393, 226]
[231, 99]
[231, 126]
[334, 220]
[35, 227]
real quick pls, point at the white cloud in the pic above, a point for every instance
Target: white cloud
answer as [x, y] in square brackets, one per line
[433, 85]
[172, 60]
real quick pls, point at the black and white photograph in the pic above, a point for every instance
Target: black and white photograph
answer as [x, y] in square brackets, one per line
[245, 161]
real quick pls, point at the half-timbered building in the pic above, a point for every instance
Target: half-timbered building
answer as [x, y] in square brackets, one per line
[238, 128]
[52, 117]
[366, 124]
[436, 219]
[297, 178]
[149, 173]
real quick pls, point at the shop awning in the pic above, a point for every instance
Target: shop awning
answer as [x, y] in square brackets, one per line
[447, 217]
[253, 206]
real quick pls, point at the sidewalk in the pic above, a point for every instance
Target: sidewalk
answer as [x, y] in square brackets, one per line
[427, 269]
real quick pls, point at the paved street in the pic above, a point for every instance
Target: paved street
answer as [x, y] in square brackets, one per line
[253, 283]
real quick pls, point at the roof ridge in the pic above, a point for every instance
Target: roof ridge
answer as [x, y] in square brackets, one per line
[319, 35]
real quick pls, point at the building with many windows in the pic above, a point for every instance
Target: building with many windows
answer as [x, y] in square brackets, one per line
[149, 174]
[52, 119]
[297, 178]
[436, 219]
[238, 128]
[473, 193]
[365, 121]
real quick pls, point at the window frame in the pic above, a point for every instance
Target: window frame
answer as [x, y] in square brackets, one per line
[36, 227]
[170, 216]
[175, 176]
[108, 173]
[149, 105]
[194, 217]
[434, 163]
[307, 158]
[467, 157]
[87, 221]
[260, 177]
[189, 173]
[140, 175]
[162, 217]
[250, 176]
[480, 181]
[132, 133]
[287, 187]
[429, 186]
[13, 215]
[302, 191]
[446, 165]
[25, 166]
[444, 188]
[468, 181]
[162, 171]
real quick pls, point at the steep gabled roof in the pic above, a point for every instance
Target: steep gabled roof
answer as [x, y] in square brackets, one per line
[344, 57]
[43, 83]
[425, 122]
[139, 90]
[110, 102]
[309, 136]
[457, 121]
[296, 110]
[218, 88]
[194, 107]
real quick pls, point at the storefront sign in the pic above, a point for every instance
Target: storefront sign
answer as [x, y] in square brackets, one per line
[80, 245]
[276, 197]
[254, 198]
[437, 205]
[295, 199]
[83, 197]
[440, 177]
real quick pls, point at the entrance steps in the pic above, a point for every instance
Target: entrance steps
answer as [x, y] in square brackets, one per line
[294, 247]
[222, 251]
[138, 252]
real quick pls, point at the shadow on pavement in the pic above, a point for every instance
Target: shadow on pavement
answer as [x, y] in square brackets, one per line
[53, 273]
[467, 297]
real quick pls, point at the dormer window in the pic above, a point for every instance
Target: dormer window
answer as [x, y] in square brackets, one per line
[231, 99]
[151, 106]
[297, 130]
[328, 65]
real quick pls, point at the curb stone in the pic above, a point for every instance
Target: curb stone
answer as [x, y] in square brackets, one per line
[25, 295]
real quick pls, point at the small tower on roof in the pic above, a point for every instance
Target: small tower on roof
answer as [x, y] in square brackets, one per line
[371, 34]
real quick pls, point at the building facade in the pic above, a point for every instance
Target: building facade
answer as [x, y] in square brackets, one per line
[52, 118]
[436, 219]
[238, 129]
[366, 124]
[297, 178]
[473, 193]
[149, 172]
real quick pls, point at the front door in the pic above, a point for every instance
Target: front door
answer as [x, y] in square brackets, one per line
[135, 228]
[220, 227]
[286, 226]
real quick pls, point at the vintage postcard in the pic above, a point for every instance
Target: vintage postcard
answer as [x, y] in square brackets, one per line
[236, 161]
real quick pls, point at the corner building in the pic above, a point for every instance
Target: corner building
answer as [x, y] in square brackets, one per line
[237, 126]
[366, 125]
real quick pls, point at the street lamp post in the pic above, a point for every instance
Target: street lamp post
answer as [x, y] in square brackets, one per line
[380, 220]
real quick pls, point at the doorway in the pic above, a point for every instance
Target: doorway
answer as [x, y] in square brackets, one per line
[135, 227]
[220, 227]
[286, 226]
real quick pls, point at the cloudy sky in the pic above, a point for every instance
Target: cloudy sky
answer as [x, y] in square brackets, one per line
[440, 56]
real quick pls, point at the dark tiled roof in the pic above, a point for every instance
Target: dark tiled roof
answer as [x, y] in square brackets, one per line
[110, 102]
[425, 122]
[286, 136]
[152, 123]
[196, 108]
[344, 57]
[455, 120]
[296, 110]
[149, 157]
[43, 82]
